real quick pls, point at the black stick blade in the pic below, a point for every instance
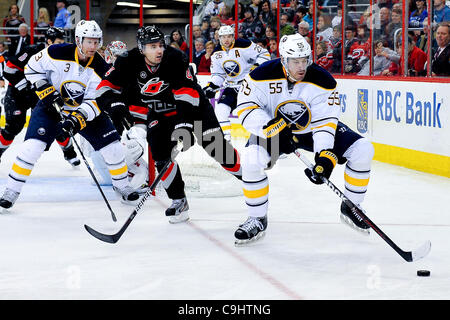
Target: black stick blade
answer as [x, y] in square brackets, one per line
[101, 236]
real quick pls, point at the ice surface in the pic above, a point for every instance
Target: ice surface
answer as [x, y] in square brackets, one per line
[306, 254]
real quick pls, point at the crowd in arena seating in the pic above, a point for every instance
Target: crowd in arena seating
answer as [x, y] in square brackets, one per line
[257, 21]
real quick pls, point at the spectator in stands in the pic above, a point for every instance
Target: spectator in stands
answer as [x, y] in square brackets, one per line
[206, 29]
[285, 25]
[214, 25]
[362, 33]
[417, 16]
[225, 16]
[175, 45]
[337, 18]
[213, 7]
[440, 65]
[395, 24]
[199, 51]
[335, 39]
[273, 48]
[350, 44]
[380, 31]
[13, 20]
[266, 16]
[308, 17]
[3, 49]
[381, 60]
[293, 6]
[416, 60]
[205, 60]
[255, 5]
[196, 32]
[251, 27]
[441, 11]
[177, 36]
[240, 12]
[269, 34]
[62, 19]
[303, 29]
[323, 57]
[42, 23]
[324, 30]
[300, 13]
[20, 42]
[216, 37]
[384, 4]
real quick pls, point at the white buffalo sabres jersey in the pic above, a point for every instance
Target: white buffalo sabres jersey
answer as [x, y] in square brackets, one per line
[234, 64]
[59, 65]
[310, 105]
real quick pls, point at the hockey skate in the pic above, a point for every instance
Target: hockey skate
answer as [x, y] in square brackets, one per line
[253, 229]
[71, 156]
[9, 198]
[177, 212]
[127, 195]
[353, 220]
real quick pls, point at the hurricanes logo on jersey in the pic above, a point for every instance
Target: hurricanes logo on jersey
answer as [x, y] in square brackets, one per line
[231, 68]
[153, 87]
[296, 114]
[72, 93]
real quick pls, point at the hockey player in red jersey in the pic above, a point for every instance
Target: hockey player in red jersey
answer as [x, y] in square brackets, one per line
[161, 78]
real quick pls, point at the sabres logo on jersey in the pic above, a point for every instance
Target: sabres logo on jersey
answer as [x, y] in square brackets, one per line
[72, 93]
[232, 68]
[153, 87]
[296, 114]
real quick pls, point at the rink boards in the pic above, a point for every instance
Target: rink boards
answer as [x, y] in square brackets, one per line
[408, 122]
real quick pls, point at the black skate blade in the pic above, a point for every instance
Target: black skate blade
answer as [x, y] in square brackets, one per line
[243, 243]
[113, 238]
[348, 222]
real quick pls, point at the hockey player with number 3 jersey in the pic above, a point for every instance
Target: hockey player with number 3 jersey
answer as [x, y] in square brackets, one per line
[230, 63]
[293, 97]
[20, 97]
[65, 78]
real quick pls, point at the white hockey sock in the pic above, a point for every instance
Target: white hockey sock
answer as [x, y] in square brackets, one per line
[29, 153]
[222, 112]
[114, 157]
[357, 169]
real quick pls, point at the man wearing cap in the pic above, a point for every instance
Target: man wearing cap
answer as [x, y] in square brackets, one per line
[62, 19]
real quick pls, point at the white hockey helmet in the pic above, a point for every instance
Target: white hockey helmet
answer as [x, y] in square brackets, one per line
[88, 29]
[224, 30]
[294, 46]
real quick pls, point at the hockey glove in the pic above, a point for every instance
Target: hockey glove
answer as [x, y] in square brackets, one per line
[49, 96]
[325, 162]
[276, 130]
[73, 122]
[185, 133]
[120, 115]
[210, 90]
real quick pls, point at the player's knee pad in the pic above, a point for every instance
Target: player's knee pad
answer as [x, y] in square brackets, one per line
[133, 151]
[113, 153]
[31, 150]
[254, 158]
[360, 154]
[222, 111]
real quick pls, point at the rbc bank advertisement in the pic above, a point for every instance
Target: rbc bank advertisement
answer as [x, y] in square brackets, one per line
[412, 115]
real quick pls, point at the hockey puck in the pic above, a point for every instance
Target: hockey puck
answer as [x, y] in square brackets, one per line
[423, 273]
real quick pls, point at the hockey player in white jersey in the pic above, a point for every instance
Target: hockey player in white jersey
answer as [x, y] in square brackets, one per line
[65, 77]
[230, 63]
[287, 97]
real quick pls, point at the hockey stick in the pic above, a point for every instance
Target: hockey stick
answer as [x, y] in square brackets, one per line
[113, 216]
[409, 256]
[113, 238]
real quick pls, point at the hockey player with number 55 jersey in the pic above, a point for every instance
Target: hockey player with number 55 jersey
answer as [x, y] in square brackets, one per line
[65, 78]
[293, 97]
